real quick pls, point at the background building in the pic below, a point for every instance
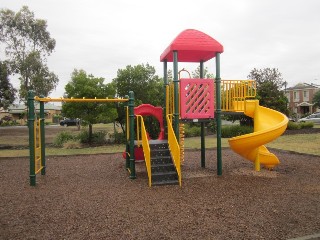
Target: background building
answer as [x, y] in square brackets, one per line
[300, 99]
[18, 113]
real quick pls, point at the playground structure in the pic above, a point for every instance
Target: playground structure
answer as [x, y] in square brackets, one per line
[186, 99]
[37, 130]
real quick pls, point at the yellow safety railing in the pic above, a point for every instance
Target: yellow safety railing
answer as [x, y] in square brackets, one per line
[170, 99]
[142, 138]
[174, 147]
[234, 92]
[182, 135]
[37, 146]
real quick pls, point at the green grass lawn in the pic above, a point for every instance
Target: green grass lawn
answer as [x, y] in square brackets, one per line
[63, 151]
[301, 143]
[210, 141]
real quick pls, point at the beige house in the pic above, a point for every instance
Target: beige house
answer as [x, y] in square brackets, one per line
[300, 99]
[3, 113]
[18, 112]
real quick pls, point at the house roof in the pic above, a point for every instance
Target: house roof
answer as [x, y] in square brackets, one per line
[305, 104]
[2, 110]
[192, 46]
[303, 86]
[20, 108]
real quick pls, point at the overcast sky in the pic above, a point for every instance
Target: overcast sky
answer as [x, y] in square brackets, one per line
[102, 36]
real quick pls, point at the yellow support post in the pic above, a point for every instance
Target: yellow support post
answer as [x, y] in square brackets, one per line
[257, 164]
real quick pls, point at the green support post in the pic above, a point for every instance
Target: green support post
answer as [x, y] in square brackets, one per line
[43, 146]
[165, 80]
[218, 114]
[176, 95]
[126, 133]
[203, 143]
[131, 136]
[31, 137]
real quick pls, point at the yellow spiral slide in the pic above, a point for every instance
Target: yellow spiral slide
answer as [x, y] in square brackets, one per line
[268, 125]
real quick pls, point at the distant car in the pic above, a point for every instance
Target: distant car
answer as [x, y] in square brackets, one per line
[315, 117]
[69, 122]
[291, 119]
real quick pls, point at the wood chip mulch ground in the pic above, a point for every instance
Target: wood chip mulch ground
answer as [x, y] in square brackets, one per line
[92, 197]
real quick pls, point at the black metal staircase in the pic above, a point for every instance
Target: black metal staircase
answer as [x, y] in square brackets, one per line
[163, 171]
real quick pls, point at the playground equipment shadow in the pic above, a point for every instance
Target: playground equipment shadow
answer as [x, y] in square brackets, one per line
[91, 197]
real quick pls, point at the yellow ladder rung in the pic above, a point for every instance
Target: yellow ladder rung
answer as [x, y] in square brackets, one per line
[37, 171]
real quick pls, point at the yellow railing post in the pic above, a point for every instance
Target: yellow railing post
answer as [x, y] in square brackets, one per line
[145, 145]
[174, 147]
[234, 92]
[37, 146]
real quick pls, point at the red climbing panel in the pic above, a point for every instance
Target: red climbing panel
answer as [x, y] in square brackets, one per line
[196, 98]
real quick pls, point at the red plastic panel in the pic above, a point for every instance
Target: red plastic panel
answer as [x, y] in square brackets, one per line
[196, 98]
[192, 46]
[150, 110]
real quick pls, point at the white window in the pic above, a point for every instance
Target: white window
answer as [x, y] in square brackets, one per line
[296, 96]
[305, 96]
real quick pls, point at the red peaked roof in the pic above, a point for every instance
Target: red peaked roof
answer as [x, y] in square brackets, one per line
[192, 46]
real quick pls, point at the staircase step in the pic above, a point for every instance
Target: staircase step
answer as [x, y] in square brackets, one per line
[165, 182]
[161, 160]
[156, 141]
[162, 167]
[158, 144]
[163, 171]
[164, 176]
[160, 152]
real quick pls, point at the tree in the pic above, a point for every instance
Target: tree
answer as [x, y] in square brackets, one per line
[316, 99]
[7, 92]
[141, 79]
[146, 85]
[269, 88]
[82, 85]
[206, 74]
[27, 46]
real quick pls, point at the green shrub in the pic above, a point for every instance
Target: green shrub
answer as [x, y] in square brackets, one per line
[62, 138]
[97, 137]
[192, 131]
[8, 123]
[118, 137]
[212, 127]
[293, 126]
[307, 124]
[83, 136]
[296, 126]
[235, 130]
